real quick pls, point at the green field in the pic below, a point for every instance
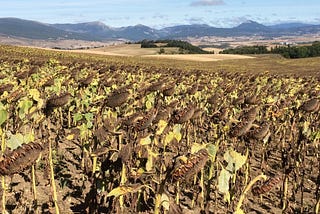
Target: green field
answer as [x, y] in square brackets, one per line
[91, 133]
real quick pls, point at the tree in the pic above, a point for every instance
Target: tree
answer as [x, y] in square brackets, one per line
[148, 44]
[161, 51]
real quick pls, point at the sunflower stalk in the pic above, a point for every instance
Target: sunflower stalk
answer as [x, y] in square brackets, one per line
[3, 182]
[34, 188]
[248, 187]
[53, 185]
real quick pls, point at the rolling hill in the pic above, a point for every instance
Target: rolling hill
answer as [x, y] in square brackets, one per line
[37, 30]
[98, 31]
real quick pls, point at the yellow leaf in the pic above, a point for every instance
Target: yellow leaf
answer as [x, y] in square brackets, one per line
[161, 126]
[5, 94]
[120, 191]
[27, 138]
[145, 141]
[40, 104]
[183, 158]
[223, 181]
[165, 201]
[148, 105]
[149, 164]
[35, 94]
[178, 136]
[33, 109]
[140, 171]
[226, 197]
[177, 132]
[226, 128]
[196, 147]
[169, 137]
[212, 150]
[235, 160]
[112, 114]
[177, 128]
[197, 95]
[239, 211]
[270, 99]
[70, 137]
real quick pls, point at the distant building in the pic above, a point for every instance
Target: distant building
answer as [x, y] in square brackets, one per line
[287, 43]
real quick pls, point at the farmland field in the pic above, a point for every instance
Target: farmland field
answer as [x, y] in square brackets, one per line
[199, 57]
[89, 133]
[171, 53]
[126, 50]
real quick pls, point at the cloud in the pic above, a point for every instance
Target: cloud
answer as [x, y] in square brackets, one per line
[234, 21]
[195, 20]
[198, 3]
[160, 16]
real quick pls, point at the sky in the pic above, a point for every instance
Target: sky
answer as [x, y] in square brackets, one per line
[164, 13]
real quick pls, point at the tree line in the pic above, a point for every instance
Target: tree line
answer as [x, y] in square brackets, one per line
[246, 50]
[184, 47]
[291, 52]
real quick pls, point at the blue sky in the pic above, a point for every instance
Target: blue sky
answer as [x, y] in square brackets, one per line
[162, 13]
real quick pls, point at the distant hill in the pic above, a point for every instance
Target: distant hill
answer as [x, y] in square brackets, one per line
[251, 26]
[290, 25]
[98, 31]
[195, 30]
[139, 32]
[36, 30]
[92, 28]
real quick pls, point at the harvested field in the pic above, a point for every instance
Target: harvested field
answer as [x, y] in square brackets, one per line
[84, 133]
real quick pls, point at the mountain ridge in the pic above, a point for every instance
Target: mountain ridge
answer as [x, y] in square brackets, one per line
[98, 31]
[36, 30]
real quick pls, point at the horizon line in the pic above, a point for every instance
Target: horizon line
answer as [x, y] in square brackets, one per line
[174, 25]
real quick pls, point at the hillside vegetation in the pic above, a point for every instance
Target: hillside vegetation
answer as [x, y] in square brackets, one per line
[184, 47]
[292, 52]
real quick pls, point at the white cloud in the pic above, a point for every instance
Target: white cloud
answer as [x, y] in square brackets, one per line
[207, 3]
[317, 20]
[195, 20]
[234, 21]
[160, 16]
